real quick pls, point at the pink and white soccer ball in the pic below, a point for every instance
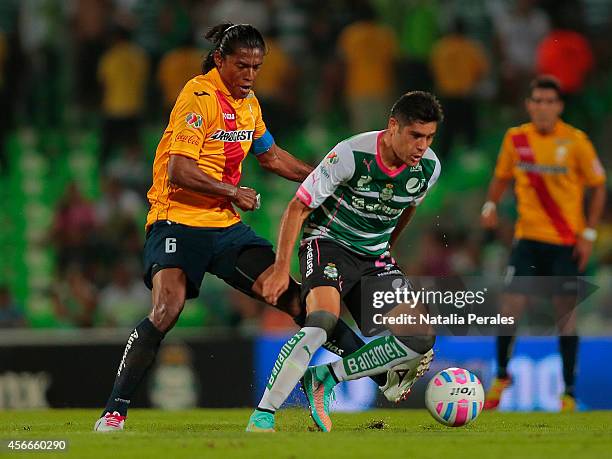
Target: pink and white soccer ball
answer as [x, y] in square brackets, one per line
[454, 397]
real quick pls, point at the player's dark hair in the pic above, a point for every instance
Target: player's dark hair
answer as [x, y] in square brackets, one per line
[417, 106]
[228, 37]
[545, 82]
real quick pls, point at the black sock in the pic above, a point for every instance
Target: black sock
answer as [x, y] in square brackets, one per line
[345, 341]
[569, 349]
[139, 355]
[504, 343]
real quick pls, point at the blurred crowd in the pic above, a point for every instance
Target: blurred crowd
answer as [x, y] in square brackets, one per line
[116, 66]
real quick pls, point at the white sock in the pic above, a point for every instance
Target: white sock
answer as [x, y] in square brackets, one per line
[290, 366]
[377, 356]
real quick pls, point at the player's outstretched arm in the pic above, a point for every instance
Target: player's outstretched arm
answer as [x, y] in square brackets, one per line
[291, 223]
[488, 215]
[284, 164]
[185, 173]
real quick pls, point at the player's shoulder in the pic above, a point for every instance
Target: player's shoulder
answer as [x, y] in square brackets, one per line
[574, 133]
[198, 92]
[365, 142]
[431, 157]
[430, 163]
[524, 128]
[200, 86]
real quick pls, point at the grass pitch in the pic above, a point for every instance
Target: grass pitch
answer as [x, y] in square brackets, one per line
[371, 434]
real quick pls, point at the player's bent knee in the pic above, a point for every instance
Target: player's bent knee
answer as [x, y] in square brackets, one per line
[322, 319]
[420, 344]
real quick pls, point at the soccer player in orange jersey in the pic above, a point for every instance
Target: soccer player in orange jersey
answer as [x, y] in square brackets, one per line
[192, 226]
[551, 163]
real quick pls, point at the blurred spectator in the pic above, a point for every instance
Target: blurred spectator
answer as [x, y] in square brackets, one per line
[175, 25]
[130, 169]
[42, 37]
[74, 298]
[419, 30]
[11, 314]
[4, 104]
[565, 54]
[176, 67]
[465, 256]
[90, 28]
[116, 210]
[276, 89]
[291, 21]
[143, 18]
[123, 72]
[10, 65]
[125, 300]
[458, 65]
[254, 12]
[518, 31]
[369, 51]
[73, 224]
[434, 256]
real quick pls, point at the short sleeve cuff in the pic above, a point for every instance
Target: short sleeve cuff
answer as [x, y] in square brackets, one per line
[304, 196]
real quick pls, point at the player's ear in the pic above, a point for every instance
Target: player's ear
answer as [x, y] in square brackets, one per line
[561, 106]
[218, 58]
[393, 125]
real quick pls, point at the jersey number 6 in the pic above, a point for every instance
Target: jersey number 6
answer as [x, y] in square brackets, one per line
[170, 245]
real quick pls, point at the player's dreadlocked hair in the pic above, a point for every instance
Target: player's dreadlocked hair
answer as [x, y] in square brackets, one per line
[417, 106]
[228, 37]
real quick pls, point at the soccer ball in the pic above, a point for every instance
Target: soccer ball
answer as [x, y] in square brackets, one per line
[454, 397]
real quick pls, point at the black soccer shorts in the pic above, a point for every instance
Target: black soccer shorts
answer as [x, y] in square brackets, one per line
[324, 262]
[540, 269]
[235, 254]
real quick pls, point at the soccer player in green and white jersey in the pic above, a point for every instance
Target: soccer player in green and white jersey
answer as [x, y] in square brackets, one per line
[353, 207]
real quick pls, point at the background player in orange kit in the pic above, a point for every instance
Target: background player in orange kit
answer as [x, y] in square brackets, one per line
[192, 226]
[552, 163]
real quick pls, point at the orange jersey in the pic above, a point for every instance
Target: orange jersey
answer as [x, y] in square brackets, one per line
[208, 125]
[550, 172]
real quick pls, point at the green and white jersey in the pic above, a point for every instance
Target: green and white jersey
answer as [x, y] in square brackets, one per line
[357, 200]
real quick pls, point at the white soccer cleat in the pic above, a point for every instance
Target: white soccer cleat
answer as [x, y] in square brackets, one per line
[402, 377]
[110, 422]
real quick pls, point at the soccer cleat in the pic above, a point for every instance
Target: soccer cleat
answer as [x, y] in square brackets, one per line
[260, 421]
[110, 422]
[495, 392]
[318, 384]
[568, 403]
[402, 377]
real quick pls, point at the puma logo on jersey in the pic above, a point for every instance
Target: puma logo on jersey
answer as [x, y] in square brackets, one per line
[232, 136]
[200, 93]
[229, 116]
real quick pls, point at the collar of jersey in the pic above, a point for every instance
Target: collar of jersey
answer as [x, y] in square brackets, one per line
[215, 77]
[555, 131]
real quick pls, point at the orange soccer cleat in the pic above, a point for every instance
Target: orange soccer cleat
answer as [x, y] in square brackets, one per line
[495, 392]
[568, 403]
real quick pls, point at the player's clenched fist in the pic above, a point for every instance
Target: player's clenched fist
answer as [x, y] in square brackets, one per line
[488, 215]
[274, 286]
[246, 198]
